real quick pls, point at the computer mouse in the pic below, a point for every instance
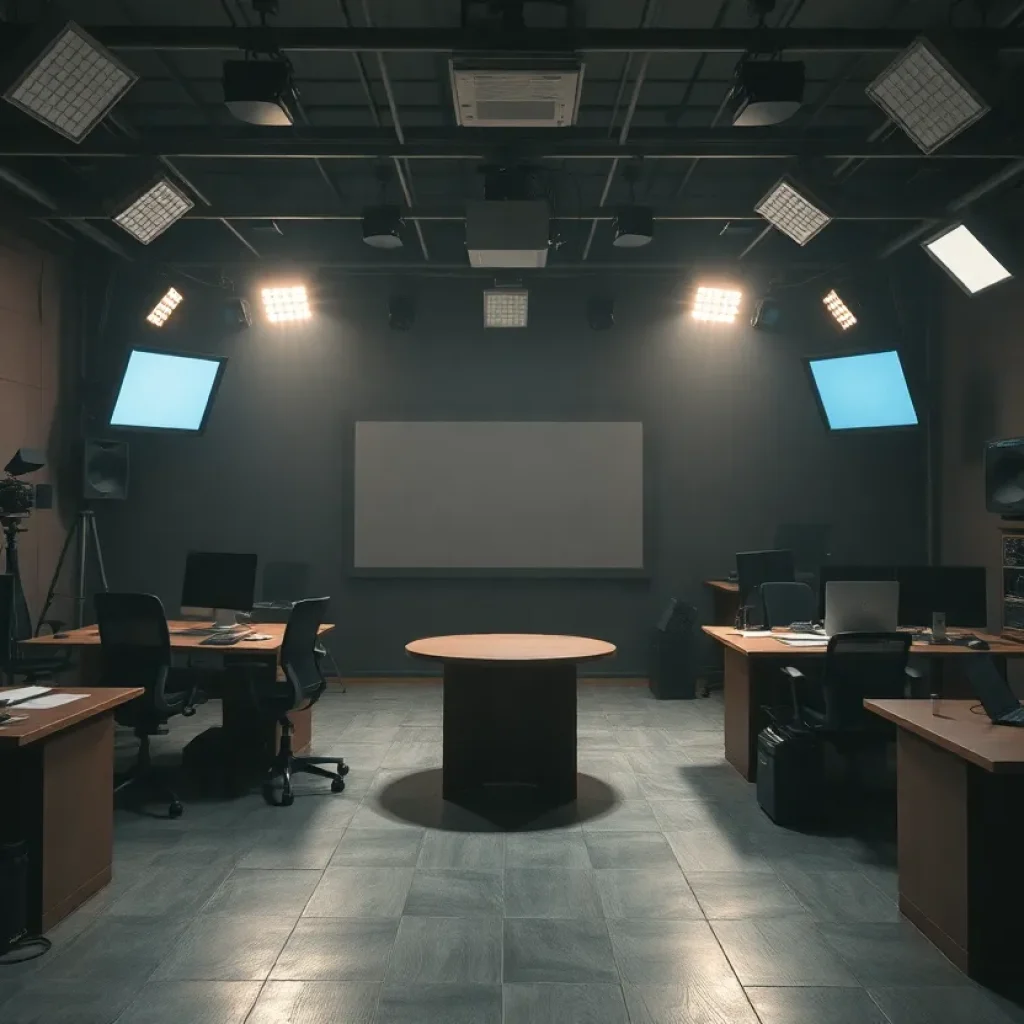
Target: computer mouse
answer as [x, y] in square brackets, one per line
[978, 645]
[60, 636]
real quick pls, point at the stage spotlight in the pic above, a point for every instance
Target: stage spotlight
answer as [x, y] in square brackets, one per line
[959, 252]
[506, 307]
[382, 227]
[717, 305]
[161, 312]
[237, 314]
[601, 313]
[260, 92]
[634, 227]
[72, 85]
[153, 211]
[926, 96]
[786, 208]
[287, 303]
[25, 461]
[401, 312]
[840, 310]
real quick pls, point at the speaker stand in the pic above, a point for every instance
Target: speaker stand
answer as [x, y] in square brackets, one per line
[84, 532]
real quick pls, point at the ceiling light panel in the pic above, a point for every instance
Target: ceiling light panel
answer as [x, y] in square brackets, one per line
[506, 307]
[840, 310]
[72, 85]
[717, 305]
[162, 311]
[922, 93]
[286, 304]
[792, 213]
[154, 211]
[966, 260]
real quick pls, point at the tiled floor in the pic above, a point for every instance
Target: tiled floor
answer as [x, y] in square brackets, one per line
[680, 903]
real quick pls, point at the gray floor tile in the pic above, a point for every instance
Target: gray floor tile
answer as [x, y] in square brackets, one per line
[950, 1005]
[315, 1002]
[291, 848]
[68, 1002]
[564, 1004]
[474, 851]
[185, 885]
[446, 951]
[378, 847]
[658, 952]
[116, 949]
[646, 892]
[440, 1004]
[360, 892]
[546, 850]
[740, 895]
[678, 815]
[781, 952]
[629, 816]
[819, 1005]
[557, 951]
[374, 815]
[413, 755]
[198, 1002]
[221, 947]
[253, 892]
[551, 892]
[840, 896]
[628, 850]
[710, 850]
[439, 892]
[336, 949]
[720, 1003]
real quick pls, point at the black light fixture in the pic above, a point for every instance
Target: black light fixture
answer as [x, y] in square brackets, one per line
[25, 461]
[382, 227]
[260, 92]
[401, 312]
[634, 225]
[766, 92]
[237, 313]
[601, 312]
[767, 315]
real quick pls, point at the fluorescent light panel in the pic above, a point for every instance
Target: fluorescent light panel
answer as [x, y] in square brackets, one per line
[506, 307]
[965, 259]
[787, 209]
[922, 93]
[286, 304]
[840, 310]
[864, 391]
[72, 85]
[717, 305]
[154, 211]
[162, 311]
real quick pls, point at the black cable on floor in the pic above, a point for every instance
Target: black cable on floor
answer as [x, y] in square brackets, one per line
[34, 946]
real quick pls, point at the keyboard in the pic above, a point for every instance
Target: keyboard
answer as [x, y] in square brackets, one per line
[1015, 717]
[224, 639]
[207, 631]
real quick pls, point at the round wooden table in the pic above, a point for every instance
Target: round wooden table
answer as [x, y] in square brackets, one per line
[509, 714]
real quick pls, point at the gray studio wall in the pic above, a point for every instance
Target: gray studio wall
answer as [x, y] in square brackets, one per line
[734, 446]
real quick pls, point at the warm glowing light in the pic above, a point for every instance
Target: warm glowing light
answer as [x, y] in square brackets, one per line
[717, 305]
[839, 310]
[285, 304]
[162, 311]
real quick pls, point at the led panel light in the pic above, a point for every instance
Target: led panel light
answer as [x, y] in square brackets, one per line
[840, 310]
[72, 84]
[506, 307]
[153, 212]
[863, 392]
[717, 305]
[162, 311]
[789, 210]
[958, 251]
[926, 97]
[286, 304]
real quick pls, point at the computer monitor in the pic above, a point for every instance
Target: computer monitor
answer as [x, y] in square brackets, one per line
[225, 582]
[852, 573]
[756, 567]
[960, 591]
[861, 606]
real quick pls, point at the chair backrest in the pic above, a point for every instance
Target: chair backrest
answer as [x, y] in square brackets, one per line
[785, 603]
[136, 647]
[859, 666]
[298, 648]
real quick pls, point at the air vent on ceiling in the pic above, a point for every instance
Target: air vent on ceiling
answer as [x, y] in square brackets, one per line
[521, 92]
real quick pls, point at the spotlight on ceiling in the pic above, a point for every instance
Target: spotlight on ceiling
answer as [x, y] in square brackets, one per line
[634, 227]
[927, 96]
[791, 211]
[72, 84]
[153, 211]
[236, 312]
[506, 307]
[963, 256]
[601, 312]
[401, 312]
[260, 92]
[767, 315]
[161, 312]
[382, 227]
[840, 310]
[717, 305]
[766, 92]
[286, 303]
[25, 461]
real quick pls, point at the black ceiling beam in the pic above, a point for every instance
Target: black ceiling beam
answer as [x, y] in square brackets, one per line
[333, 39]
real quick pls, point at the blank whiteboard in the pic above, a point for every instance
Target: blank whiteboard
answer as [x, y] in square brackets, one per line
[499, 496]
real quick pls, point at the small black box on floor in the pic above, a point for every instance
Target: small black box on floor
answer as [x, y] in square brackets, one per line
[673, 669]
[789, 770]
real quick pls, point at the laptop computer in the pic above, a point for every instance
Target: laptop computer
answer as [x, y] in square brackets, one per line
[994, 692]
[861, 606]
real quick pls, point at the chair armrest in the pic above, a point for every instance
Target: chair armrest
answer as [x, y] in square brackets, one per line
[793, 672]
[912, 673]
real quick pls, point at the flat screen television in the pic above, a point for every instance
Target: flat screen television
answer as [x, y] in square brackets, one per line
[166, 391]
[862, 392]
[1004, 477]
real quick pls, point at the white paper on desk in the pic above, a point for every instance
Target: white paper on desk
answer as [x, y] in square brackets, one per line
[22, 692]
[748, 634]
[51, 700]
[803, 641]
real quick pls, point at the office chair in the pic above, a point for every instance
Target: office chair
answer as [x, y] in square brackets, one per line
[135, 650]
[302, 686]
[15, 661]
[786, 603]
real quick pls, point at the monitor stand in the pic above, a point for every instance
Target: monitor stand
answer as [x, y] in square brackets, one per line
[224, 618]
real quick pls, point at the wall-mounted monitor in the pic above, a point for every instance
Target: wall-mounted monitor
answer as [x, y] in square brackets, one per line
[166, 391]
[863, 392]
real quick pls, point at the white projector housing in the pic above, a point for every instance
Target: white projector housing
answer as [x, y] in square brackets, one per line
[507, 233]
[516, 92]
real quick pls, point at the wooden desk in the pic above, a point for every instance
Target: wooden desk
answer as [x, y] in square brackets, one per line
[725, 597]
[752, 679]
[58, 772]
[509, 714]
[960, 785]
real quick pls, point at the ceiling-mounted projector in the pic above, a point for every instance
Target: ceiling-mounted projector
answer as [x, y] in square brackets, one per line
[260, 92]
[507, 233]
[766, 92]
[516, 92]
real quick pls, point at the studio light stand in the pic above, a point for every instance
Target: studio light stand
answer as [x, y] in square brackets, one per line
[83, 533]
[21, 624]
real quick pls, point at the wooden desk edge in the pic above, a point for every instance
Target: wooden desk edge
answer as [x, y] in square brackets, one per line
[86, 636]
[510, 661]
[726, 586]
[109, 698]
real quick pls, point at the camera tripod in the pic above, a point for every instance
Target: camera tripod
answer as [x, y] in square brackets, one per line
[85, 533]
[20, 622]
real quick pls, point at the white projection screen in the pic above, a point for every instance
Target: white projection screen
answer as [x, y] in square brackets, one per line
[499, 496]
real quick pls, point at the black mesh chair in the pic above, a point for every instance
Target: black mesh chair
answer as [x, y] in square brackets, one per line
[786, 603]
[136, 651]
[302, 686]
[16, 661]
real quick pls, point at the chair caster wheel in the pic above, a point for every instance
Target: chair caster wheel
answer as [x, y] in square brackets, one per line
[175, 810]
[337, 785]
[342, 769]
[287, 798]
